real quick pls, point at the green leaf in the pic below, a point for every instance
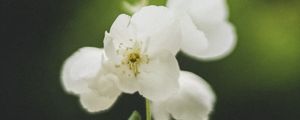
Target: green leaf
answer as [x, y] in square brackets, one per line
[135, 116]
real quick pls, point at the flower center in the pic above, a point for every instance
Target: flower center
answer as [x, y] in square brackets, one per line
[133, 62]
[133, 58]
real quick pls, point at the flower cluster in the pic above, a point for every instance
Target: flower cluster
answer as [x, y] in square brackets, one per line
[139, 56]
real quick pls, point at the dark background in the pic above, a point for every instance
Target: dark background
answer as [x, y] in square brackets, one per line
[260, 80]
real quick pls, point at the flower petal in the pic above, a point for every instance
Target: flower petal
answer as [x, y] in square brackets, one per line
[204, 11]
[168, 38]
[119, 28]
[209, 11]
[110, 50]
[126, 82]
[158, 25]
[95, 103]
[105, 86]
[194, 101]
[194, 40]
[103, 94]
[159, 111]
[151, 19]
[159, 78]
[221, 41]
[82, 67]
[120, 32]
[210, 16]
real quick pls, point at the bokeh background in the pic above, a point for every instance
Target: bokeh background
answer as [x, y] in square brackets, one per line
[260, 80]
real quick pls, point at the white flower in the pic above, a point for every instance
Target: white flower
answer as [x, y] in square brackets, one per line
[83, 75]
[141, 51]
[206, 32]
[194, 101]
[139, 55]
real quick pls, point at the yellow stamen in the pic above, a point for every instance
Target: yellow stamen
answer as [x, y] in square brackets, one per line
[133, 57]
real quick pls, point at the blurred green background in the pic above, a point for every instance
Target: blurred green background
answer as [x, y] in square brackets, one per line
[260, 80]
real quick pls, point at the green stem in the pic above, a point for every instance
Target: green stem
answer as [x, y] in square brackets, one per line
[148, 110]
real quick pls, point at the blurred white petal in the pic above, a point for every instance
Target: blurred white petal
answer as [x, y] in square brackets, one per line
[208, 11]
[222, 40]
[159, 111]
[95, 103]
[105, 86]
[194, 40]
[210, 17]
[194, 101]
[103, 93]
[82, 67]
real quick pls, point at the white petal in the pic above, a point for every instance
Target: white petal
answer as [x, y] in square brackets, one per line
[159, 111]
[159, 78]
[158, 25]
[105, 86]
[210, 16]
[103, 94]
[151, 19]
[126, 82]
[209, 11]
[120, 32]
[80, 68]
[221, 41]
[155, 26]
[194, 101]
[120, 26]
[168, 38]
[196, 98]
[95, 103]
[205, 11]
[180, 7]
[110, 49]
[194, 40]
[127, 85]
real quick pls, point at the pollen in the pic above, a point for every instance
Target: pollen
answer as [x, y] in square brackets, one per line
[134, 62]
[134, 58]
